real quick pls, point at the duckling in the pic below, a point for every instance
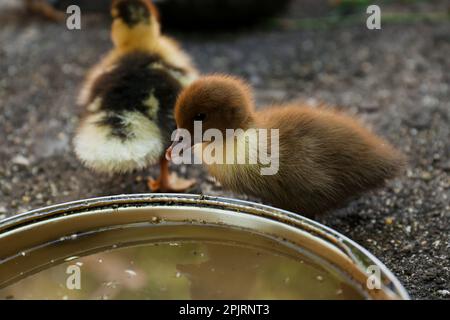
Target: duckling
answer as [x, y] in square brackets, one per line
[129, 97]
[325, 157]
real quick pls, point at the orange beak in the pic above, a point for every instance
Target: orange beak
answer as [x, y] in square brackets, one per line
[168, 153]
[176, 141]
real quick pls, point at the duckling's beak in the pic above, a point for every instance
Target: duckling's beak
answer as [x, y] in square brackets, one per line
[169, 152]
[178, 140]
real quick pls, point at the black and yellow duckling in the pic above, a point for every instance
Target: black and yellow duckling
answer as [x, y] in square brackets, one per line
[130, 95]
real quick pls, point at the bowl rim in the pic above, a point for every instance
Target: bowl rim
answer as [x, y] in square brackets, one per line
[358, 254]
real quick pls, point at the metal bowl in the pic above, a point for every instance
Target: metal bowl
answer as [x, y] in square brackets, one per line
[22, 233]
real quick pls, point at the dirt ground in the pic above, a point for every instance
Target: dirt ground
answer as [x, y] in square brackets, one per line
[397, 80]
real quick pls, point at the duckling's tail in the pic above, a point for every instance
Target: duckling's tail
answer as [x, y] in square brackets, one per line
[135, 22]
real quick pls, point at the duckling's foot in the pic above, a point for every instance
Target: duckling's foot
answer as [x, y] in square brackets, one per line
[169, 182]
[173, 183]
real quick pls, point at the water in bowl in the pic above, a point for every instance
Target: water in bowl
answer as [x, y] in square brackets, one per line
[170, 262]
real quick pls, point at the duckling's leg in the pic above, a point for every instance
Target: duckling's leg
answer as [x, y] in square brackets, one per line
[169, 182]
[46, 9]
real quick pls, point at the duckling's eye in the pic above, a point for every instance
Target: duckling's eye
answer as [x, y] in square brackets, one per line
[200, 117]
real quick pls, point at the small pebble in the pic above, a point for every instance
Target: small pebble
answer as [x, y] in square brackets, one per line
[444, 293]
[389, 220]
[426, 176]
[21, 160]
[131, 273]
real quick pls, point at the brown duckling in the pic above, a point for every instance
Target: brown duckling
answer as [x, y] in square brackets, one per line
[129, 97]
[325, 157]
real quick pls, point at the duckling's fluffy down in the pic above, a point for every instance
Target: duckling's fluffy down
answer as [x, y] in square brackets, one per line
[99, 149]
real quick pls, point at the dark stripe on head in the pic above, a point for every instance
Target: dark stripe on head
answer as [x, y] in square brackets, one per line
[132, 12]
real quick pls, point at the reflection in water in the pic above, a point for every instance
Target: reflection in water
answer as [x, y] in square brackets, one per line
[185, 270]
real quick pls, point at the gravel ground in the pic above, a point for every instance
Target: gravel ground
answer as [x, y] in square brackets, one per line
[397, 80]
